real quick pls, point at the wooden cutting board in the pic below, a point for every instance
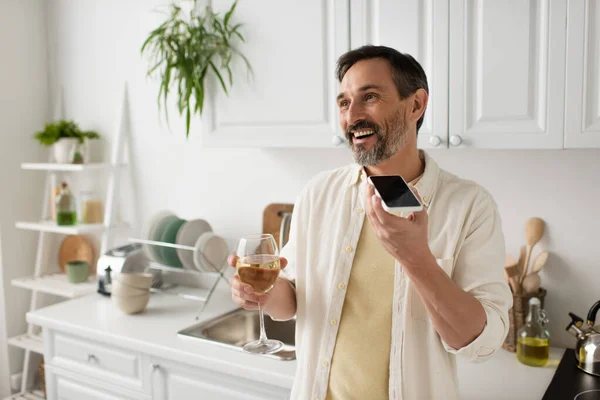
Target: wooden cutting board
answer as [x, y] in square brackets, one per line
[272, 217]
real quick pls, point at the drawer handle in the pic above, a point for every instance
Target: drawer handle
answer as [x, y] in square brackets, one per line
[92, 358]
[155, 367]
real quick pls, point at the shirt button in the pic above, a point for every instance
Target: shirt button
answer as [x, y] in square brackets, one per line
[325, 363]
[359, 210]
[426, 199]
[341, 286]
[333, 322]
[349, 249]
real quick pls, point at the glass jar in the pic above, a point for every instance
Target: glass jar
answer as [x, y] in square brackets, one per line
[66, 208]
[533, 347]
[91, 208]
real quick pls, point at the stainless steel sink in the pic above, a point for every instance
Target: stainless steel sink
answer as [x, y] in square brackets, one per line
[240, 326]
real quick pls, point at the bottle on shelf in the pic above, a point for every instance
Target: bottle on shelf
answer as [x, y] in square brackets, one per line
[533, 347]
[66, 207]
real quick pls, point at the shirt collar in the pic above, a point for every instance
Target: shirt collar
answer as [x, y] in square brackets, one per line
[425, 187]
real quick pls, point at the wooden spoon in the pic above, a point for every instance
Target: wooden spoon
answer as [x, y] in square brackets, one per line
[531, 283]
[511, 272]
[534, 230]
[521, 260]
[539, 262]
[510, 260]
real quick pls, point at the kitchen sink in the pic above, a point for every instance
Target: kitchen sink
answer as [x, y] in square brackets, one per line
[240, 326]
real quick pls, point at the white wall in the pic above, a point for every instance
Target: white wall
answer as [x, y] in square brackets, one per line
[96, 48]
[23, 110]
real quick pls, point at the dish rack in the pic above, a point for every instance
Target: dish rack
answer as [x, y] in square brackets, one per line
[188, 284]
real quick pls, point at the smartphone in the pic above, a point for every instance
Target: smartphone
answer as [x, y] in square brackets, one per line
[395, 194]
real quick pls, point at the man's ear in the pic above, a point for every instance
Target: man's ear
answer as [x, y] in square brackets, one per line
[418, 104]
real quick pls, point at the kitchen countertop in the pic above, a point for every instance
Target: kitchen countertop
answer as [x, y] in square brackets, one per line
[154, 332]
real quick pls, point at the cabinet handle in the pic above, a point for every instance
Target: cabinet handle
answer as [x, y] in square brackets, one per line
[337, 140]
[155, 367]
[455, 140]
[92, 358]
[435, 140]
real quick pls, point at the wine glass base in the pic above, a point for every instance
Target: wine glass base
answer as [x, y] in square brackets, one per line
[269, 347]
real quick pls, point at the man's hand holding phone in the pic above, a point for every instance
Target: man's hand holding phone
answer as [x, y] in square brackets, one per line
[404, 238]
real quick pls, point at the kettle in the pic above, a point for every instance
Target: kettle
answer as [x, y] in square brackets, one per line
[587, 350]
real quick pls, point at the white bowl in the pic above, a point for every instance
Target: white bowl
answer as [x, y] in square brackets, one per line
[131, 304]
[123, 290]
[138, 280]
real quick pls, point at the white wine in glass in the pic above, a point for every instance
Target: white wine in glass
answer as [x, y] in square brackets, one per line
[258, 266]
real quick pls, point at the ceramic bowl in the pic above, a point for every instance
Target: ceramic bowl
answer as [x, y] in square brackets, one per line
[122, 289]
[131, 304]
[137, 280]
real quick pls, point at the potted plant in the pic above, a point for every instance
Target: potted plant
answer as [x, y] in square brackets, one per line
[68, 142]
[187, 48]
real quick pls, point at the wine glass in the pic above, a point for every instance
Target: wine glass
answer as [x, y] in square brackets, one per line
[258, 266]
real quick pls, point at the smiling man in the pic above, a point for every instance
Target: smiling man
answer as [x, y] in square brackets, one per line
[385, 303]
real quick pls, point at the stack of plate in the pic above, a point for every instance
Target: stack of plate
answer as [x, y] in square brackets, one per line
[210, 250]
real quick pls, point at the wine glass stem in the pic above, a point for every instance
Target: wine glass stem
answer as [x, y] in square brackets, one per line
[263, 334]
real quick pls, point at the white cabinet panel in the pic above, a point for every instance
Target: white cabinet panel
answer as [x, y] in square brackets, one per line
[582, 128]
[63, 385]
[172, 381]
[98, 361]
[289, 101]
[507, 66]
[419, 28]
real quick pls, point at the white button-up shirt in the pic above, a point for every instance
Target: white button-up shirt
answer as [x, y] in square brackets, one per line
[465, 236]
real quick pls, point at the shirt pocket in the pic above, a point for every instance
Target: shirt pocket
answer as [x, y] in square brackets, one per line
[417, 307]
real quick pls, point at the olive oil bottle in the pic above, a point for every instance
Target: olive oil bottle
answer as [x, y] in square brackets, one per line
[533, 347]
[66, 209]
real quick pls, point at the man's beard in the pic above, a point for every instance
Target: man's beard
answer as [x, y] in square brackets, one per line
[389, 140]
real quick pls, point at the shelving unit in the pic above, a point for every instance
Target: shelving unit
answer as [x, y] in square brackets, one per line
[28, 342]
[64, 167]
[33, 395]
[43, 281]
[56, 284]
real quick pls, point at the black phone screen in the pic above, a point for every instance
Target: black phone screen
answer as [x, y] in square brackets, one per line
[394, 191]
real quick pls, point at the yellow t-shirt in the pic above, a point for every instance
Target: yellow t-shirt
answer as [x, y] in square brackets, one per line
[361, 358]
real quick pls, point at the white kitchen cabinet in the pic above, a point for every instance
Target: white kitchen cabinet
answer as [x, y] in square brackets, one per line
[66, 385]
[419, 28]
[289, 101]
[173, 381]
[582, 127]
[506, 73]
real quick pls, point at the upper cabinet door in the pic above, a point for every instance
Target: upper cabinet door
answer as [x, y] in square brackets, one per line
[419, 28]
[583, 75]
[289, 100]
[507, 69]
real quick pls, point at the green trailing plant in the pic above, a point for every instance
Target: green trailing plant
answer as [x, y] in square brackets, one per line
[185, 49]
[54, 131]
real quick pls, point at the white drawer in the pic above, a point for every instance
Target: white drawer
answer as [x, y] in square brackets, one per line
[100, 361]
[63, 385]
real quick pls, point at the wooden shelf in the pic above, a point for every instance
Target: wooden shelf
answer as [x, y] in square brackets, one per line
[64, 167]
[33, 395]
[28, 342]
[50, 226]
[56, 284]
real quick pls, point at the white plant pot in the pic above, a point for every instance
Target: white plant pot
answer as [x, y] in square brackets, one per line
[63, 150]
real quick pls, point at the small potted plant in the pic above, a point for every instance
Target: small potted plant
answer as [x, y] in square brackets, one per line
[68, 142]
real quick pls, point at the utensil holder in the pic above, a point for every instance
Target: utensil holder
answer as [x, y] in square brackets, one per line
[518, 314]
